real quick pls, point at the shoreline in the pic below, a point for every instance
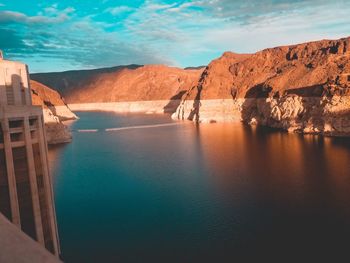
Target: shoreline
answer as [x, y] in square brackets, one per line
[152, 106]
[292, 113]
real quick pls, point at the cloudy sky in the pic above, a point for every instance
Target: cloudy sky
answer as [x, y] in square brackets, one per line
[75, 34]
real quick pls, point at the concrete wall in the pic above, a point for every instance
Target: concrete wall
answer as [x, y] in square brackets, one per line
[14, 84]
[16, 247]
[25, 183]
[29, 185]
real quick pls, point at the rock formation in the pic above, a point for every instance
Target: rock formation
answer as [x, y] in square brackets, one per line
[55, 111]
[137, 85]
[300, 88]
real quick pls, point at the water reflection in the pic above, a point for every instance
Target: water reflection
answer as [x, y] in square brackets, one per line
[190, 193]
[296, 187]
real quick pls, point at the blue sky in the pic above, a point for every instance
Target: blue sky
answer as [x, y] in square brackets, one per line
[76, 34]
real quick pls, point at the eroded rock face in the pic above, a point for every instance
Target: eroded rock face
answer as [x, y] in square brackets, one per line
[302, 88]
[318, 115]
[124, 84]
[55, 111]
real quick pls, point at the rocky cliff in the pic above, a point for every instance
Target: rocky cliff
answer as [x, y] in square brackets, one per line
[301, 88]
[55, 111]
[139, 88]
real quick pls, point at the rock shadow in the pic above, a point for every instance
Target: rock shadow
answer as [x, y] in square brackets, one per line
[194, 114]
[249, 107]
[174, 103]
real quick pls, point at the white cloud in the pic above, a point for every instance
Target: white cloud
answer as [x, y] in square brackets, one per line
[175, 33]
[182, 7]
[194, 31]
[312, 23]
[157, 7]
[50, 10]
[56, 16]
[79, 41]
[119, 10]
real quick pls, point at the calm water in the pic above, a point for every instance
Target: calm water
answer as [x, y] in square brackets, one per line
[207, 193]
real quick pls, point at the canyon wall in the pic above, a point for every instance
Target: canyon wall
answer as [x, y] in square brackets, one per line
[55, 112]
[303, 88]
[151, 88]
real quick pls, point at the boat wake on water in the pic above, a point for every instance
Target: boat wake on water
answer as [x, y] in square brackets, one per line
[127, 128]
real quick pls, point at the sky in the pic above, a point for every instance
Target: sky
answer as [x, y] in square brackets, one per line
[58, 35]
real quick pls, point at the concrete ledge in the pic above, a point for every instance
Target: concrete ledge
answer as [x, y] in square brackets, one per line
[17, 247]
[22, 111]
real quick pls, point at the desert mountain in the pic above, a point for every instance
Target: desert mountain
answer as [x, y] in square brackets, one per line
[301, 88]
[309, 69]
[124, 83]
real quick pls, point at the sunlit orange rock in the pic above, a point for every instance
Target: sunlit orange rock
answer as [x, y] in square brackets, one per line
[302, 88]
[55, 111]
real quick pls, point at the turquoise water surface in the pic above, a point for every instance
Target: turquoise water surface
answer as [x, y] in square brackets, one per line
[198, 193]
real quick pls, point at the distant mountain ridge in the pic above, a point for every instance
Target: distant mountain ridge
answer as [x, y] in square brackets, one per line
[122, 83]
[303, 87]
[65, 81]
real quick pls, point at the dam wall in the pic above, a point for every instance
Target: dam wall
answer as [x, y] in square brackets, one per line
[17, 247]
[26, 195]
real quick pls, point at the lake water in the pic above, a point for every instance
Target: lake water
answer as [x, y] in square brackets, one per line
[199, 193]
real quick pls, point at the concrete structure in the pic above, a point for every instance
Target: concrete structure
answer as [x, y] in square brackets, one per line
[26, 195]
[17, 247]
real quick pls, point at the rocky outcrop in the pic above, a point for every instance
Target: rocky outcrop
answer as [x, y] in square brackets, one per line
[160, 84]
[55, 111]
[300, 88]
[328, 115]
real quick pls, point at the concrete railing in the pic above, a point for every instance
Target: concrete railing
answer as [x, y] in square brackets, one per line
[17, 247]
